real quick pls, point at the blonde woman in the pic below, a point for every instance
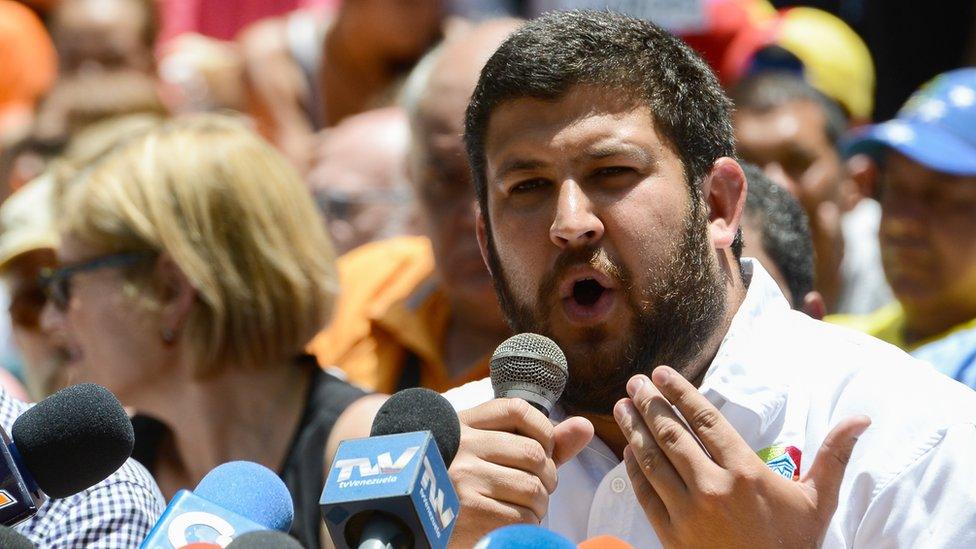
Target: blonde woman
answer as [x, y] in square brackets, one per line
[194, 268]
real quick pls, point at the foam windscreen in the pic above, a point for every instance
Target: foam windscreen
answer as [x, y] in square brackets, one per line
[74, 439]
[252, 491]
[420, 409]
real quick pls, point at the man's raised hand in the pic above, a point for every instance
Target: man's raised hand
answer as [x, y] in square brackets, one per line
[726, 497]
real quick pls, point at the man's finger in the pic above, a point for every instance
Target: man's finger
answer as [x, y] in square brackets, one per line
[516, 488]
[511, 415]
[716, 434]
[827, 471]
[653, 507]
[516, 452]
[570, 437]
[651, 460]
[670, 433]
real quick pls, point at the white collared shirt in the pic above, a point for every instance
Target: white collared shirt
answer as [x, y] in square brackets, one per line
[783, 379]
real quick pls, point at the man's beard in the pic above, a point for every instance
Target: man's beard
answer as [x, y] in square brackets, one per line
[675, 311]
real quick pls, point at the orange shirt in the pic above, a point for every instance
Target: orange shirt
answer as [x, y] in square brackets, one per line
[390, 308]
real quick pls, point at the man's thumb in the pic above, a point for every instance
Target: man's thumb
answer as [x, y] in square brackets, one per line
[827, 471]
[569, 438]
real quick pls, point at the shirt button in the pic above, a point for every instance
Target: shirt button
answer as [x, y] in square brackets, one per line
[618, 485]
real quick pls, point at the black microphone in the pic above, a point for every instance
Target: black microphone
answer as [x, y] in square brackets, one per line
[530, 367]
[392, 490]
[63, 445]
[265, 539]
[12, 539]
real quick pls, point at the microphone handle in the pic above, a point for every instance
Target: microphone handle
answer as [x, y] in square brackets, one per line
[381, 532]
[531, 397]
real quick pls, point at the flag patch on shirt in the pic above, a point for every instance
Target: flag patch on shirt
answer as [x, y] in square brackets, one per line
[783, 460]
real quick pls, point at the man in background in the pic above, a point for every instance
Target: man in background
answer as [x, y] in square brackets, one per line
[105, 35]
[421, 310]
[359, 180]
[928, 224]
[791, 130]
[775, 231]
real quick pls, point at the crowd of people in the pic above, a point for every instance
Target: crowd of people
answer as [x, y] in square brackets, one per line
[252, 221]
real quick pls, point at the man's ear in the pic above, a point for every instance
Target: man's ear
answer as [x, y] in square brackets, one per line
[176, 295]
[481, 229]
[862, 172]
[813, 305]
[724, 191]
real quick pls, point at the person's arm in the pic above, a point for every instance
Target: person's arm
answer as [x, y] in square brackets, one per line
[114, 514]
[276, 89]
[354, 422]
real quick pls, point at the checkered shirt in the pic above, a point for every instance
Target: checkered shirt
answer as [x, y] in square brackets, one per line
[116, 513]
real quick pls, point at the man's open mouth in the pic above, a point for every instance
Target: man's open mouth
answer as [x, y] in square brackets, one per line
[587, 292]
[588, 297]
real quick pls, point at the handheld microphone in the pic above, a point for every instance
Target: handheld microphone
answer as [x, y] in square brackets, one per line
[232, 499]
[523, 536]
[63, 445]
[392, 490]
[267, 539]
[605, 542]
[531, 367]
[12, 539]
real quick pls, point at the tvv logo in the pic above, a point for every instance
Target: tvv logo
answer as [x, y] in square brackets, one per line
[436, 496]
[384, 464]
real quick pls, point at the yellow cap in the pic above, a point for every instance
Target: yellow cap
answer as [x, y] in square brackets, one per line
[835, 59]
[26, 220]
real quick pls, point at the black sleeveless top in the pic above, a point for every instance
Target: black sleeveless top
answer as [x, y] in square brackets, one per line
[304, 468]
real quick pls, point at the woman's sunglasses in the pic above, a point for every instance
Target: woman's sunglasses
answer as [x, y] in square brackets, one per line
[57, 282]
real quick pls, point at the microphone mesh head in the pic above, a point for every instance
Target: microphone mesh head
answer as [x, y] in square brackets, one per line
[529, 366]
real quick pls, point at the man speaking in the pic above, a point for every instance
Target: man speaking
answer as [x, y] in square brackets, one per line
[610, 204]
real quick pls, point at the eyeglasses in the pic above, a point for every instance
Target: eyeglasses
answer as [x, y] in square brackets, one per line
[57, 282]
[338, 204]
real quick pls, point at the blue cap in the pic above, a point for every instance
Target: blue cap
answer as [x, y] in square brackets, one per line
[252, 491]
[936, 127]
[524, 536]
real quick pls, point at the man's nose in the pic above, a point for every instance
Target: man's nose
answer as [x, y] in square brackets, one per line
[775, 171]
[575, 223]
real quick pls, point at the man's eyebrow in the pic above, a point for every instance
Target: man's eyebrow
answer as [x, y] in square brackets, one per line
[517, 165]
[638, 154]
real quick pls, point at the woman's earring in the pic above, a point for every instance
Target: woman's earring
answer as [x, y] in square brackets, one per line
[168, 336]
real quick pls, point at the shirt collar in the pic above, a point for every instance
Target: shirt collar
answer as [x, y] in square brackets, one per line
[747, 380]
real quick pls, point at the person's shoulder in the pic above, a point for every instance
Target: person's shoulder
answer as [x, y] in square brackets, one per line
[877, 323]
[117, 512]
[470, 394]
[863, 367]
[371, 278]
[384, 271]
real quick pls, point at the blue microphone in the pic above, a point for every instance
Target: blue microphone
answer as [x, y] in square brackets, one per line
[523, 536]
[67, 443]
[232, 499]
[392, 490]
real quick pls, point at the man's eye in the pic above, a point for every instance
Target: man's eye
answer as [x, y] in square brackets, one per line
[613, 171]
[528, 185]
